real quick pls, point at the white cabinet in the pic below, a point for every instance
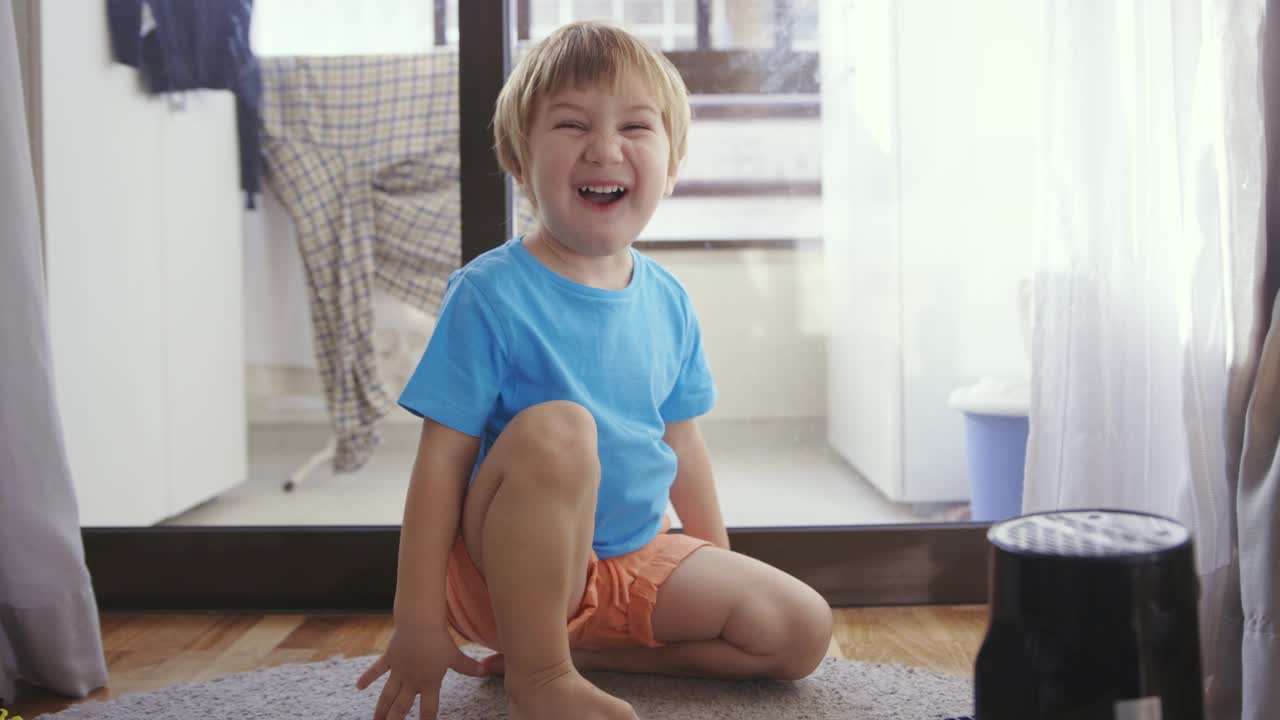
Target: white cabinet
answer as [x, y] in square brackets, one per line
[144, 244]
[861, 236]
[929, 134]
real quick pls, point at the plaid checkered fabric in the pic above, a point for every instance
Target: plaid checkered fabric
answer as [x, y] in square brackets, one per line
[363, 152]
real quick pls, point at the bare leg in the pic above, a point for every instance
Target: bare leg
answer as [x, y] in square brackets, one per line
[729, 616]
[725, 615]
[528, 521]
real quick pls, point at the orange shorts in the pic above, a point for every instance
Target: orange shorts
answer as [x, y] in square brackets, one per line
[617, 605]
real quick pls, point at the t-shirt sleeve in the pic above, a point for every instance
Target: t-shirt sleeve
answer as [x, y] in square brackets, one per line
[460, 374]
[694, 393]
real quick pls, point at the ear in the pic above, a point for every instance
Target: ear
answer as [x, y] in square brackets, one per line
[518, 181]
[673, 172]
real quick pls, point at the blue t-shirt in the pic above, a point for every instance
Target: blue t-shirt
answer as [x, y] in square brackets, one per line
[512, 333]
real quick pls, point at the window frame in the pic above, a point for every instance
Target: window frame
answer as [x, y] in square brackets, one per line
[353, 568]
[258, 569]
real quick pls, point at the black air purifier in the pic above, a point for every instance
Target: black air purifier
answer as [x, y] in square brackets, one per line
[1093, 617]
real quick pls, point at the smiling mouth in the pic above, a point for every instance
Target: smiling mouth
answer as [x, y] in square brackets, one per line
[602, 195]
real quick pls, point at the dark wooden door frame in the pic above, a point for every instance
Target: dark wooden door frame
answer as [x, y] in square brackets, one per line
[353, 569]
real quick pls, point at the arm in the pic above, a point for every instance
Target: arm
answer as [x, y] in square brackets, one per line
[432, 514]
[694, 491]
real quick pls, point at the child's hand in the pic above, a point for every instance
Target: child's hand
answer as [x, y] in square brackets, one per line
[418, 661]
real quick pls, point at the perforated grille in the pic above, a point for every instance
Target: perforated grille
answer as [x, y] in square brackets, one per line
[1088, 534]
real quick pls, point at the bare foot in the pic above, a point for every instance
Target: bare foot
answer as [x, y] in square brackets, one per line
[561, 693]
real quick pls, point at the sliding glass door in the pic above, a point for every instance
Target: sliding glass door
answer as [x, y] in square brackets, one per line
[831, 466]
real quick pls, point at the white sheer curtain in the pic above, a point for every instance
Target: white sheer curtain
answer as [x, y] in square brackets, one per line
[1147, 280]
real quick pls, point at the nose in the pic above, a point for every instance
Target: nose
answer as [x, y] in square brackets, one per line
[603, 148]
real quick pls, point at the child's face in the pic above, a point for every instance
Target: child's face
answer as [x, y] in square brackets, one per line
[591, 137]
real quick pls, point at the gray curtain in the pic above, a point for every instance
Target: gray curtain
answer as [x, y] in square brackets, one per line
[49, 632]
[1258, 538]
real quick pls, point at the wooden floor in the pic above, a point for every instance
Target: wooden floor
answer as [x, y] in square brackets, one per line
[147, 652]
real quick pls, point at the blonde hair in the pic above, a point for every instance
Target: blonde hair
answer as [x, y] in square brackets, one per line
[576, 55]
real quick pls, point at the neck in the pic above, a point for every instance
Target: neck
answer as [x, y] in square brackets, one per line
[606, 272]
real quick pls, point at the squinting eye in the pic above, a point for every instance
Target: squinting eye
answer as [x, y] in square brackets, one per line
[636, 126]
[574, 125]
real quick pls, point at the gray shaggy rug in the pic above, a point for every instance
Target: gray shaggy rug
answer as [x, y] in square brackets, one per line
[839, 689]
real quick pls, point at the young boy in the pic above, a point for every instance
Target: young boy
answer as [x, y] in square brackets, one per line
[559, 396]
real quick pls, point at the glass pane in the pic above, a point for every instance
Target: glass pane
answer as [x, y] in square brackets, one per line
[668, 24]
[684, 40]
[742, 24]
[756, 25]
[827, 224]
[642, 12]
[747, 233]
[593, 10]
[545, 12]
[200, 385]
[686, 12]
[291, 27]
[804, 25]
[400, 132]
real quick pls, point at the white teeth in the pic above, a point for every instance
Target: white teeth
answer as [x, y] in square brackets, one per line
[601, 188]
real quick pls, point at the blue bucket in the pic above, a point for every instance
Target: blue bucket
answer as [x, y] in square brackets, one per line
[997, 456]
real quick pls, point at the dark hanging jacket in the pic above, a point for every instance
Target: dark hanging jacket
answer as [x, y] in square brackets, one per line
[182, 45]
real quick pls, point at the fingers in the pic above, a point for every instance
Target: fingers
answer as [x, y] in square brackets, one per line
[390, 692]
[404, 703]
[397, 698]
[374, 672]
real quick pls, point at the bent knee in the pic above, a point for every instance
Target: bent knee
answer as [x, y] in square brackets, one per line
[557, 439]
[557, 427]
[809, 636]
